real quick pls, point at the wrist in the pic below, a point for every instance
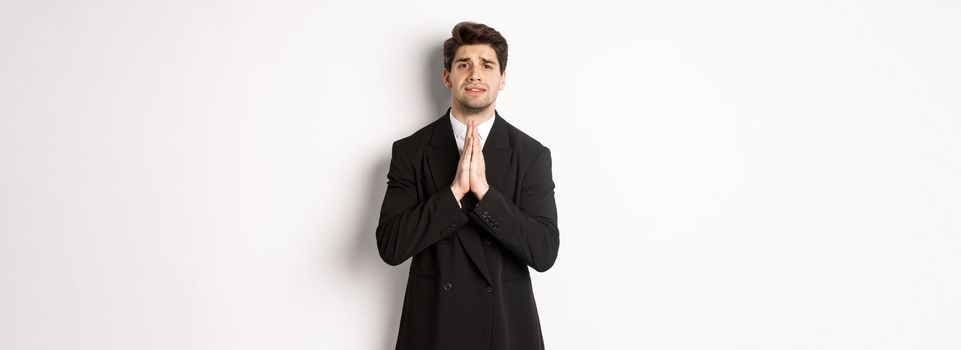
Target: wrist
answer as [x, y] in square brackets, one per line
[481, 191]
[458, 194]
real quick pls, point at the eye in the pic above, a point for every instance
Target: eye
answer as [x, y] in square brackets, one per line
[488, 66]
[462, 65]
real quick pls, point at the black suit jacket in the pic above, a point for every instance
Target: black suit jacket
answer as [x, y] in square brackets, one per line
[469, 285]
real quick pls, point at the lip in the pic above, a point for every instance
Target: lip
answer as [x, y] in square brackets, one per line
[475, 90]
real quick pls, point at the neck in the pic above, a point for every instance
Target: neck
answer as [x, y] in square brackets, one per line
[464, 115]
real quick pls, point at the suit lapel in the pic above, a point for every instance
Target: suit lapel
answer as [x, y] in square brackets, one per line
[442, 154]
[497, 155]
[442, 158]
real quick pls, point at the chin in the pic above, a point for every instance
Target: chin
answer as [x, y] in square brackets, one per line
[476, 107]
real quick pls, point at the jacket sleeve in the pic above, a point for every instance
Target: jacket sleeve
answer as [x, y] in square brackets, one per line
[528, 229]
[407, 226]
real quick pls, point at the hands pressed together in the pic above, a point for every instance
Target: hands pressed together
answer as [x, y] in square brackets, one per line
[471, 173]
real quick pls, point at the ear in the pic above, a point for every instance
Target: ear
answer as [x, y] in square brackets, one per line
[503, 81]
[445, 74]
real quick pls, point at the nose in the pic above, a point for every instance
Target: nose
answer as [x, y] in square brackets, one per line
[474, 74]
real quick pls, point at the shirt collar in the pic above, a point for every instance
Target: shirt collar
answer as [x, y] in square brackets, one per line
[460, 129]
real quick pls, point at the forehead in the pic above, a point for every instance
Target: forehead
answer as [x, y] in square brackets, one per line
[476, 52]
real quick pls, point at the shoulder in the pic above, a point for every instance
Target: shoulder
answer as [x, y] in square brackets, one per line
[419, 140]
[531, 155]
[524, 143]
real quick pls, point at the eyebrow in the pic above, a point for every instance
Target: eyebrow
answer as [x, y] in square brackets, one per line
[467, 59]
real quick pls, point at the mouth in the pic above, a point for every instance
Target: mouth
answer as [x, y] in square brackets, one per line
[475, 90]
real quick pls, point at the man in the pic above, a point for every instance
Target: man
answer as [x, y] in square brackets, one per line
[471, 199]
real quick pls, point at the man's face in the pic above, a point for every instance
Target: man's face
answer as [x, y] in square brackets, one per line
[474, 77]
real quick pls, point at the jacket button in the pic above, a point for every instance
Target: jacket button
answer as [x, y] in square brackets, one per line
[448, 286]
[488, 241]
[490, 289]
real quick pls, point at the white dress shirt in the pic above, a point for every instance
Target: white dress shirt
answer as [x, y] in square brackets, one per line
[460, 129]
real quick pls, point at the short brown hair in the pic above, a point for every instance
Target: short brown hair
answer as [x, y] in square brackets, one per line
[471, 33]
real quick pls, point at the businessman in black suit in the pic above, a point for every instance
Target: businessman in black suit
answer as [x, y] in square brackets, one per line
[471, 199]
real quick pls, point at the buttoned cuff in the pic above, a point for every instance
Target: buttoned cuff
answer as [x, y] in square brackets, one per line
[483, 212]
[457, 215]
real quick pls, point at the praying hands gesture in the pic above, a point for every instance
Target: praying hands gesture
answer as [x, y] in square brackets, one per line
[471, 173]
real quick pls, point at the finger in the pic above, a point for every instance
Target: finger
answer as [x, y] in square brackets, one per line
[465, 154]
[475, 147]
[478, 154]
[470, 128]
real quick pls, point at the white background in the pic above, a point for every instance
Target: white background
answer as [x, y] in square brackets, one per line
[730, 175]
